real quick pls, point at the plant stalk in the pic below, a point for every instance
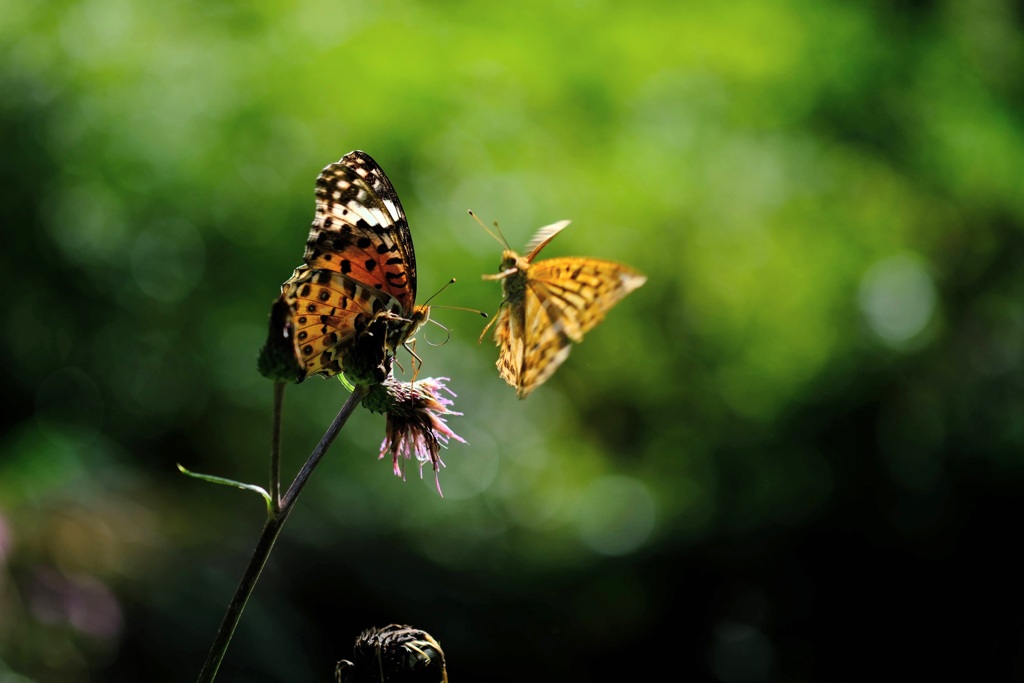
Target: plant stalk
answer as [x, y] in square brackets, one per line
[275, 449]
[271, 530]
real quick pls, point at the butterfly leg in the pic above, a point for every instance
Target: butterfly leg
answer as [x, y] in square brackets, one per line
[496, 276]
[417, 362]
[488, 326]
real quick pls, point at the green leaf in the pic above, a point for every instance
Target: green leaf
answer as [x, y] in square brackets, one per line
[230, 482]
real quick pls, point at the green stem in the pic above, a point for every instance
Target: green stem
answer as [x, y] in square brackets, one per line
[275, 449]
[271, 530]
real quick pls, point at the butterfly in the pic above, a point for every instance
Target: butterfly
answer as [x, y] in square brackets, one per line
[352, 303]
[548, 305]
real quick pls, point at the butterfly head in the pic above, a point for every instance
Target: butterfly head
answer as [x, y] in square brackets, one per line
[401, 328]
[419, 317]
[509, 263]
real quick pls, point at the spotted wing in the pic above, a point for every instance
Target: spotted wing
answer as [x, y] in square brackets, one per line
[360, 229]
[564, 299]
[353, 302]
[325, 317]
[582, 289]
[526, 360]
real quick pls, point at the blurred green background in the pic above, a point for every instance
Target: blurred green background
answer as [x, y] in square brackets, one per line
[797, 453]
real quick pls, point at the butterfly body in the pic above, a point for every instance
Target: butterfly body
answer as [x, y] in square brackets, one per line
[513, 285]
[549, 305]
[353, 302]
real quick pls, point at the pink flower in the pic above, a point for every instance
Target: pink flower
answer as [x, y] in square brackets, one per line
[415, 422]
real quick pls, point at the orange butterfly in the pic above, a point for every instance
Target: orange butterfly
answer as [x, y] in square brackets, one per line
[548, 305]
[353, 302]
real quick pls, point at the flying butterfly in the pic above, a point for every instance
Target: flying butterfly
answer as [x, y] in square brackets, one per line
[352, 303]
[547, 305]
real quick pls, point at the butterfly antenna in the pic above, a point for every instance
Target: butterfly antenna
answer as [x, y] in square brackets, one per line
[452, 308]
[446, 285]
[496, 235]
[461, 308]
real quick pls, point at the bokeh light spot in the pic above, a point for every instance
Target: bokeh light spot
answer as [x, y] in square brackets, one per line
[87, 222]
[168, 259]
[616, 515]
[897, 296]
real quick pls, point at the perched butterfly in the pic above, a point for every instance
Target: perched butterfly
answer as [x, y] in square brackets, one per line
[353, 302]
[548, 305]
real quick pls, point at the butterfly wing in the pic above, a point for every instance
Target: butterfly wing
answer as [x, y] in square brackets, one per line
[542, 237]
[564, 298]
[532, 341]
[360, 229]
[331, 315]
[358, 287]
[582, 289]
[508, 335]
